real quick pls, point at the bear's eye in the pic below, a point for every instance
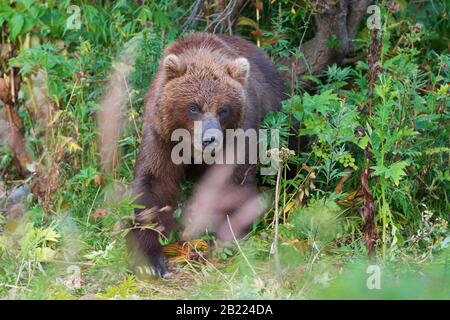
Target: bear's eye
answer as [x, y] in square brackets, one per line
[194, 109]
[223, 112]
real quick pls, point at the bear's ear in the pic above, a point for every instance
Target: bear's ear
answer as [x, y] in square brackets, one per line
[239, 69]
[173, 67]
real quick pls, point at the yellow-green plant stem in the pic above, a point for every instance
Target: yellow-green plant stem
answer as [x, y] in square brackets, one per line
[384, 216]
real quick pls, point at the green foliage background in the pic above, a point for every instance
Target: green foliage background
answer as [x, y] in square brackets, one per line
[321, 232]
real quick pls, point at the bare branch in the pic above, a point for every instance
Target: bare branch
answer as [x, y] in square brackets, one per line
[337, 22]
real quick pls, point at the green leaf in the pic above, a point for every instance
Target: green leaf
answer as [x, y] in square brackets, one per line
[5, 12]
[394, 172]
[322, 102]
[5, 9]
[44, 254]
[50, 234]
[363, 142]
[244, 21]
[15, 25]
[311, 78]
[27, 3]
[29, 24]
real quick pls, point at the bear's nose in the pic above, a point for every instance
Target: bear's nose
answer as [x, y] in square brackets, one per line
[208, 140]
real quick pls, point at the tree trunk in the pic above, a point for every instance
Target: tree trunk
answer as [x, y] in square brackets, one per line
[337, 22]
[9, 88]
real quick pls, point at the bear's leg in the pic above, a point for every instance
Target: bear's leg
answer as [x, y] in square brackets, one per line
[156, 187]
[148, 257]
[159, 199]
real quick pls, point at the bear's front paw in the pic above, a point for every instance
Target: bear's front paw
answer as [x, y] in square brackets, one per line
[159, 264]
[156, 266]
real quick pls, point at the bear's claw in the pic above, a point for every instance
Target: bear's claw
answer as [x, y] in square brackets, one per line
[159, 263]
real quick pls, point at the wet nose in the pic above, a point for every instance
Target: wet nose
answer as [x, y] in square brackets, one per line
[208, 140]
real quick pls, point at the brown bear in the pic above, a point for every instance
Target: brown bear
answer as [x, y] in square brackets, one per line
[225, 82]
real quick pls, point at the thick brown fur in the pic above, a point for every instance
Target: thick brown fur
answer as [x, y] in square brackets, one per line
[207, 70]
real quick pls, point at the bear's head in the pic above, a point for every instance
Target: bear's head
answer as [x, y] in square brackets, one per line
[202, 88]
